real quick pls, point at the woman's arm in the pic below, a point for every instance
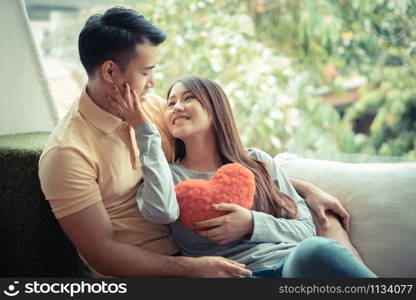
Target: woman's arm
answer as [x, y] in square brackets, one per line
[267, 228]
[156, 197]
[262, 227]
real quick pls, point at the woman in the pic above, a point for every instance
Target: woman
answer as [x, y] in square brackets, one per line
[276, 238]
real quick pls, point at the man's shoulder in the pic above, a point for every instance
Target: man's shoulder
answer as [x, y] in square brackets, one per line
[72, 133]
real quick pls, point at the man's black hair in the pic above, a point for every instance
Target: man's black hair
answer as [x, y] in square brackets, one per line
[113, 36]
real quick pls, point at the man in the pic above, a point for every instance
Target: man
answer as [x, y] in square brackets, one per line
[90, 168]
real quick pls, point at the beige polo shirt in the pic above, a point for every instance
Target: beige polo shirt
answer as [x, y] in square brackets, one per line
[92, 156]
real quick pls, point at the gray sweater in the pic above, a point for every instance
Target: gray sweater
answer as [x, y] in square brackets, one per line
[272, 238]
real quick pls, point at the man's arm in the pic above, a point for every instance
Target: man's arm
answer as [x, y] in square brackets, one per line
[91, 232]
[320, 201]
[326, 212]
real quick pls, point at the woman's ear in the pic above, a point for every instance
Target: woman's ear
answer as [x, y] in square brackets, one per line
[108, 71]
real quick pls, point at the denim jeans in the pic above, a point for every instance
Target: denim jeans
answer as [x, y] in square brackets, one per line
[318, 257]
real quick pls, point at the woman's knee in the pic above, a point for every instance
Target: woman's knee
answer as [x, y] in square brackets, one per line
[322, 257]
[316, 242]
[309, 258]
[316, 249]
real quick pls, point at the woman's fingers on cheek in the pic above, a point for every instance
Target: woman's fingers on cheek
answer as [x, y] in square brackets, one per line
[128, 95]
[126, 89]
[134, 95]
[135, 105]
[114, 105]
[111, 99]
[119, 98]
[116, 95]
[119, 109]
[116, 92]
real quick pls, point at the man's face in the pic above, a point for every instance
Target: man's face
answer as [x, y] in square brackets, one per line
[139, 71]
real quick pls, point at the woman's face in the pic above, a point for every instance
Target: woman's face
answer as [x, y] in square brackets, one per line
[184, 114]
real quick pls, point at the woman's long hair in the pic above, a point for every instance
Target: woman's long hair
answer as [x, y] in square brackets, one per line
[268, 197]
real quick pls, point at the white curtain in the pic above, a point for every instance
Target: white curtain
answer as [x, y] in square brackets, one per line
[26, 104]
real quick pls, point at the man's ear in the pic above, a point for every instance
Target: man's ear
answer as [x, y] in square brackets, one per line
[109, 71]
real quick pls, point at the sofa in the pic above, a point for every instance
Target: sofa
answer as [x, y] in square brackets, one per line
[381, 199]
[379, 196]
[32, 244]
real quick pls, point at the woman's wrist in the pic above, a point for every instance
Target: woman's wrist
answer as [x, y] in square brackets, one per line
[250, 228]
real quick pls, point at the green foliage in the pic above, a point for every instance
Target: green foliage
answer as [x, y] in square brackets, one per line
[374, 39]
[271, 56]
[392, 98]
[217, 39]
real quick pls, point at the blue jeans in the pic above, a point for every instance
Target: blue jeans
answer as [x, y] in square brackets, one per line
[318, 257]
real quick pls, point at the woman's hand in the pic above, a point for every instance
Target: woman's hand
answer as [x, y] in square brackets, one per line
[128, 106]
[230, 227]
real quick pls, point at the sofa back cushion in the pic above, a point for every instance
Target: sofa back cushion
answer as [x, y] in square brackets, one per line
[32, 242]
[380, 198]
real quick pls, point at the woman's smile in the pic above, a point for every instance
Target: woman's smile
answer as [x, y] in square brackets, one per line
[179, 119]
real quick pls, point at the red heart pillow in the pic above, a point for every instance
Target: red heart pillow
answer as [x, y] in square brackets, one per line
[232, 183]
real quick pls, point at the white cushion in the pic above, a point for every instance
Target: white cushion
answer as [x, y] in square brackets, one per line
[381, 200]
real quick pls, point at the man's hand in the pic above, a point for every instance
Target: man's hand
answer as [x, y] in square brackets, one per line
[230, 227]
[216, 267]
[320, 201]
[128, 106]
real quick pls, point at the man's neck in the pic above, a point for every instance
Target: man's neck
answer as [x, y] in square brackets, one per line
[97, 94]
